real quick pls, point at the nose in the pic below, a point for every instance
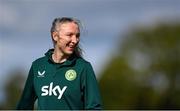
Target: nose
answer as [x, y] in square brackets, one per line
[75, 39]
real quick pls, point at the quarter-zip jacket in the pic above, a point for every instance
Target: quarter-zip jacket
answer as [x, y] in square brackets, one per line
[71, 85]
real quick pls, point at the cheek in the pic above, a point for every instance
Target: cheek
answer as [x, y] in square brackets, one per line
[63, 42]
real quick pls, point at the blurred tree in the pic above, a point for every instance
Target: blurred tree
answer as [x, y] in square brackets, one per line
[13, 89]
[145, 74]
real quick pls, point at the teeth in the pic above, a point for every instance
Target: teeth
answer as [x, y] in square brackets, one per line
[71, 46]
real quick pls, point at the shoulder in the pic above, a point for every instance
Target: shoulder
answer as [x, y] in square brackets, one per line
[40, 60]
[81, 62]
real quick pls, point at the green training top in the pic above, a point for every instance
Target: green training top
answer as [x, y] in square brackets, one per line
[71, 85]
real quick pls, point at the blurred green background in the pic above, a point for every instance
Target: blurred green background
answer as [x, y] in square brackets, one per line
[145, 72]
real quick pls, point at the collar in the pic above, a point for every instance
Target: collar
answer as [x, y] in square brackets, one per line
[70, 61]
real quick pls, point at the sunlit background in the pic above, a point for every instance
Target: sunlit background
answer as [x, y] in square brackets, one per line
[133, 46]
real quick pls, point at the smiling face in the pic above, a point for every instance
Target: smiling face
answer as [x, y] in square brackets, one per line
[66, 37]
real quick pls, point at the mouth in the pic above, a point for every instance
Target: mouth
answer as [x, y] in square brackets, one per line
[71, 47]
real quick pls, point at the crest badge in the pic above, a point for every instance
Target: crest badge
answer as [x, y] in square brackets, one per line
[70, 75]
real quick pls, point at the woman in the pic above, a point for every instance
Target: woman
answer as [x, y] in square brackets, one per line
[62, 79]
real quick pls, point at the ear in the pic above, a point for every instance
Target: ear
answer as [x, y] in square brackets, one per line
[55, 36]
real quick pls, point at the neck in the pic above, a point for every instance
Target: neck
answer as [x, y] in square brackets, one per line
[58, 56]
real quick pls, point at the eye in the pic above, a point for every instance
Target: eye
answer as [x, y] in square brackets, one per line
[69, 34]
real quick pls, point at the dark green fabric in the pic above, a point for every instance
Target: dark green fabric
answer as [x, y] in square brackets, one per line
[48, 77]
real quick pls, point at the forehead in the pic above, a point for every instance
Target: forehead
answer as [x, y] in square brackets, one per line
[68, 26]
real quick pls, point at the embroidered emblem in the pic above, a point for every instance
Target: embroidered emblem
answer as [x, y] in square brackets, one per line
[41, 74]
[70, 75]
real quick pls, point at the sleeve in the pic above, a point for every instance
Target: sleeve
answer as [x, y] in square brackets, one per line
[91, 94]
[28, 96]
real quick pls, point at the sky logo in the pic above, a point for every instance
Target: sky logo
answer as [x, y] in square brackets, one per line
[50, 90]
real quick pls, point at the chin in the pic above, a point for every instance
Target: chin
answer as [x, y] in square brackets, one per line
[69, 53]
